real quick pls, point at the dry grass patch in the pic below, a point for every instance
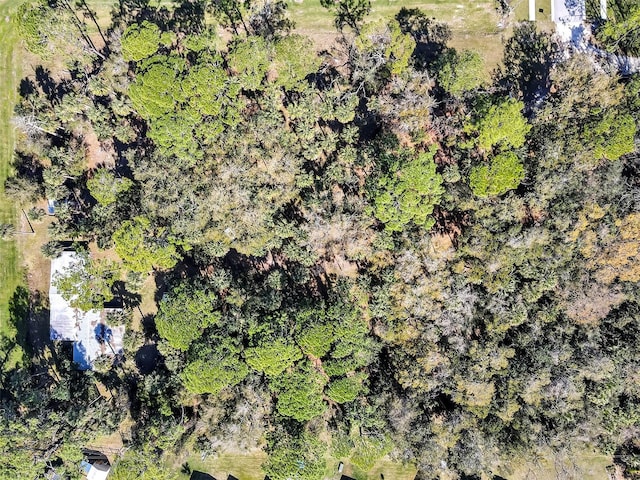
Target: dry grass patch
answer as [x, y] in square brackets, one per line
[10, 271]
[243, 466]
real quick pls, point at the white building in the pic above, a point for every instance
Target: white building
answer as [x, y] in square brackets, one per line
[89, 331]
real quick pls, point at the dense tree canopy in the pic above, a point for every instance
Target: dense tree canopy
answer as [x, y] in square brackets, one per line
[376, 252]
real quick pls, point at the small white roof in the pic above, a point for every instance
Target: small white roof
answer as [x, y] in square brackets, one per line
[66, 321]
[87, 330]
[98, 471]
[569, 16]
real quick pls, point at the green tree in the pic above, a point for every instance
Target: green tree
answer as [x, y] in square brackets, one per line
[86, 284]
[613, 136]
[30, 20]
[184, 312]
[294, 59]
[384, 51]
[299, 393]
[142, 464]
[157, 91]
[295, 457]
[315, 340]
[346, 389]
[105, 187]
[503, 125]
[369, 449]
[140, 41]
[249, 59]
[622, 34]
[49, 30]
[461, 72]
[349, 13]
[409, 194]
[504, 172]
[143, 248]
[215, 368]
[272, 356]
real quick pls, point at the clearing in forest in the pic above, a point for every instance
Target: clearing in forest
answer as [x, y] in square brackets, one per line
[475, 24]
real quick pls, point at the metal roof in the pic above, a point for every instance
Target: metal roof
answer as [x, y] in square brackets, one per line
[89, 331]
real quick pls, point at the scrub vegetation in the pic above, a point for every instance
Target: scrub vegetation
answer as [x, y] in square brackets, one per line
[375, 254]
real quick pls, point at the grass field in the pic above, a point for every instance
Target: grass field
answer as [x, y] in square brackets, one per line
[521, 10]
[243, 467]
[576, 465]
[474, 23]
[10, 272]
[248, 467]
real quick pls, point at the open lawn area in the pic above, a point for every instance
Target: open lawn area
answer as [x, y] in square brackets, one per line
[10, 271]
[521, 10]
[243, 467]
[475, 24]
[576, 465]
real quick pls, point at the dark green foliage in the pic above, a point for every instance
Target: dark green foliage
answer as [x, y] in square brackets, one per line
[375, 247]
[504, 173]
[409, 194]
[184, 312]
[140, 41]
[460, 72]
[299, 393]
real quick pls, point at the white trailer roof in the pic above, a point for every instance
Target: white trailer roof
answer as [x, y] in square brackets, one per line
[89, 331]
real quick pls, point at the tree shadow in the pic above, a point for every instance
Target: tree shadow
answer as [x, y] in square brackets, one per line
[126, 12]
[189, 16]
[39, 335]
[147, 358]
[149, 326]
[431, 37]
[127, 299]
[196, 475]
[19, 315]
[163, 280]
[53, 91]
[528, 58]
[27, 88]
[26, 165]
